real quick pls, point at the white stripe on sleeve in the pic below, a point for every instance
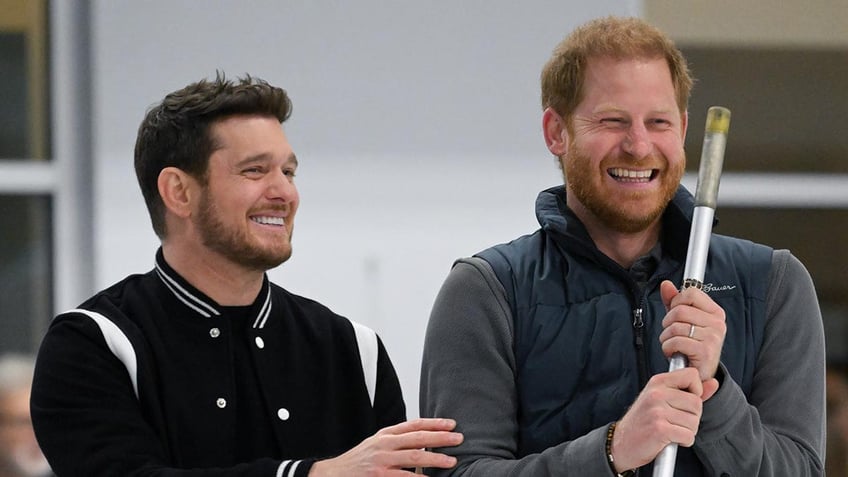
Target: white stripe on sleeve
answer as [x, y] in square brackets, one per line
[369, 353]
[117, 342]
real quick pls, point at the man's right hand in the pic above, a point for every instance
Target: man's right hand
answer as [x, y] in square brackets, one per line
[393, 449]
[667, 410]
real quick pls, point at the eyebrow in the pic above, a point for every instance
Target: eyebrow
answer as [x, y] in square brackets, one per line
[609, 108]
[291, 159]
[606, 108]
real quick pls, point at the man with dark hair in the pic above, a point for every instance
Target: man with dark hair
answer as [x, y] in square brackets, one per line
[551, 351]
[202, 366]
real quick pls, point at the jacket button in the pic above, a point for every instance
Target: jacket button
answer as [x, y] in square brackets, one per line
[283, 414]
[221, 403]
[260, 343]
[214, 332]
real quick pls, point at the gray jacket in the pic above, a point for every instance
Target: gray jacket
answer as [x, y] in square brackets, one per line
[469, 373]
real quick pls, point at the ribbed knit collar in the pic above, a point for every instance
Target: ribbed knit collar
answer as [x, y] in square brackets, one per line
[200, 303]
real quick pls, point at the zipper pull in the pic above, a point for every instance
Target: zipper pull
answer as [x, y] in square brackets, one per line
[638, 324]
[637, 319]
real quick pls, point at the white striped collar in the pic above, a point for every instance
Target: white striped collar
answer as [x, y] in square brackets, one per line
[265, 312]
[189, 299]
[200, 303]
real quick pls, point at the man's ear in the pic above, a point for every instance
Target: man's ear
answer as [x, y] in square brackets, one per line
[177, 190]
[556, 134]
[684, 119]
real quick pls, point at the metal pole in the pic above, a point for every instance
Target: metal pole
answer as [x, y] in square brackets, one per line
[706, 192]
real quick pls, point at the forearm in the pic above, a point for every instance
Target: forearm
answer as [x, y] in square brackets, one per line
[781, 431]
[736, 438]
[580, 457]
[468, 374]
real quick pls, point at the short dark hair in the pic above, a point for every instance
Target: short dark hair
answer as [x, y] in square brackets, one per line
[176, 132]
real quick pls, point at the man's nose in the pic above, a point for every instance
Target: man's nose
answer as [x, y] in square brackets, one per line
[637, 143]
[282, 187]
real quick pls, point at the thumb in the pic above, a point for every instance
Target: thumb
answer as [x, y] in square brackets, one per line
[710, 388]
[668, 291]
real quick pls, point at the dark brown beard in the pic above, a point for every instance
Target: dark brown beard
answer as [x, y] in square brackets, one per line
[234, 243]
[583, 181]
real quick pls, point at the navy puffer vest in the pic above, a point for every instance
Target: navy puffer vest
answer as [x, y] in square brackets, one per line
[580, 357]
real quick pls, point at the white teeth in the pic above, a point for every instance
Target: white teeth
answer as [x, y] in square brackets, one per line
[269, 220]
[630, 175]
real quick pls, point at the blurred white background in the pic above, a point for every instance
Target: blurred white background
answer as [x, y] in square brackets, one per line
[416, 124]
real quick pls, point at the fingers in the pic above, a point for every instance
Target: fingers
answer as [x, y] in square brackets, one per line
[404, 444]
[395, 448]
[704, 344]
[694, 326]
[418, 458]
[678, 414]
[668, 410]
[421, 440]
[710, 388]
[690, 297]
[703, 349]
[667, 291]
[421, 424]
[684, 379]
[421, 433]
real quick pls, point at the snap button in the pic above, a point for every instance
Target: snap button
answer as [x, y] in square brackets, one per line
[221, 403]
[283, 414]
[214, 332]
[260, 343]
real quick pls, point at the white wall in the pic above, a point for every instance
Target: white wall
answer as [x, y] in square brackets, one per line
[416, 124]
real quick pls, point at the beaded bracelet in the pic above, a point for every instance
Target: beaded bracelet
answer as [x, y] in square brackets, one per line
[610, 432]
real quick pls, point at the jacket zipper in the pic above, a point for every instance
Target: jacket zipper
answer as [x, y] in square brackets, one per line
[641, 351]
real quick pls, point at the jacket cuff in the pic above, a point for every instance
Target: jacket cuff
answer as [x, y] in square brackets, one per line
[294, 468]
[722, 410]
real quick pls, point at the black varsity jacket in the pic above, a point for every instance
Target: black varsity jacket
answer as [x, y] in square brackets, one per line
[146, 378]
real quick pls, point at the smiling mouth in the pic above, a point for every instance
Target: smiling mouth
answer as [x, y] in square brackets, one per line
[265, 220]
[628, 175]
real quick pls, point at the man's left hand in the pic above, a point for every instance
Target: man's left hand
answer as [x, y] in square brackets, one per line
[694, 325]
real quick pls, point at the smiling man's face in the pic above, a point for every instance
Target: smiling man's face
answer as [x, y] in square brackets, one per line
[625, 157]
[246, 210]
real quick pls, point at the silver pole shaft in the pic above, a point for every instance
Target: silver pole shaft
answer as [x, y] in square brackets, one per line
[706, 193]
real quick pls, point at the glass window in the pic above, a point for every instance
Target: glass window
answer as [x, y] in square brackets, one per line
[23, 117]
[26, 230]
[26, 283]
[788, 107]
[13, 123]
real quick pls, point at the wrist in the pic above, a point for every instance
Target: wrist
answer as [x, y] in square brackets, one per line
[311, 468]
[608, 450]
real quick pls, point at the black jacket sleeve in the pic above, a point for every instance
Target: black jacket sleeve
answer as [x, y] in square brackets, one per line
[88, 420]
[389, 407]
